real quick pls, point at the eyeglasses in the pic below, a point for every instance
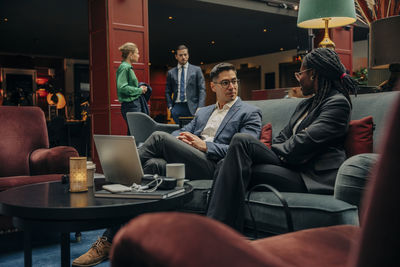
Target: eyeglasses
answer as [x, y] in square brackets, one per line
[298, 74]
[225, 83]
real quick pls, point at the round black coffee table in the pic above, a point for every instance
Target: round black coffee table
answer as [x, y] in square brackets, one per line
[51, 207]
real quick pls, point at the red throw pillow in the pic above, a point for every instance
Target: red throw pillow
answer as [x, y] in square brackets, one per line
[359, 138]
[266, 135]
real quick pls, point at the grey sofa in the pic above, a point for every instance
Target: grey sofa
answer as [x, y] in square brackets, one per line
[308, 210]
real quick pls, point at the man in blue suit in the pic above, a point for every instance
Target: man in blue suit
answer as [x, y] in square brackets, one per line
[199, 145]
[185, 91]
[205, 140]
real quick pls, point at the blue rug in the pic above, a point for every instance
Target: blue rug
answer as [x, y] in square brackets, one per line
[50, 255]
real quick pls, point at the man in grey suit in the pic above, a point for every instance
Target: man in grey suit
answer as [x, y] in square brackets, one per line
[185, 91]
[199, 145]
[205, 140]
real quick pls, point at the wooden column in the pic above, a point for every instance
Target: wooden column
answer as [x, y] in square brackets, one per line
[111, 24]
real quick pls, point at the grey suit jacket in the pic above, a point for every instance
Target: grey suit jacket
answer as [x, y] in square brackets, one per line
[316, 150]
[241, 118]
[195, 87]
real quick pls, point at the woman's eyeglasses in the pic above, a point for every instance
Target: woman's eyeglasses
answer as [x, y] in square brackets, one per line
[298, 74]
[225, 83]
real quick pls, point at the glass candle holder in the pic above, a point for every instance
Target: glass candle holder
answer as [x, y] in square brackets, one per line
[77, 174]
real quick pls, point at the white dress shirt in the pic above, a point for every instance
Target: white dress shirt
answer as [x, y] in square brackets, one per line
[215, 121]
[185, 68]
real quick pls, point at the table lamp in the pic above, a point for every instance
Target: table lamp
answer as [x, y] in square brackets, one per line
[384, 52]
[319, 14]
[77, 174]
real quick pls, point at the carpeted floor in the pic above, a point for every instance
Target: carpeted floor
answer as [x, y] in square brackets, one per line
[49, 254]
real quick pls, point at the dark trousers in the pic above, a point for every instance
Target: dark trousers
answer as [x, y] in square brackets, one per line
[231, 181]
[180, 110]
[133, 106]
[162, 148]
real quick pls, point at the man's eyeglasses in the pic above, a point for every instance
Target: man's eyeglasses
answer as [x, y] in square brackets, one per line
[298, 74]
[225, 83]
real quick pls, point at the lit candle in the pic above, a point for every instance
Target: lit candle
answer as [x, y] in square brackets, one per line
[77, 174]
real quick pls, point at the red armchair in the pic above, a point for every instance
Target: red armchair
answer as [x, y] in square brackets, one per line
[25, 156]
[177, 239]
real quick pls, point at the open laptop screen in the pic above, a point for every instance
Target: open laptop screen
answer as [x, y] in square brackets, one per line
[119, 159]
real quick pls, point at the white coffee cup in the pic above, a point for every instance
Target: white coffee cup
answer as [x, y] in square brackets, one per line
[177, 171]
[91, 169]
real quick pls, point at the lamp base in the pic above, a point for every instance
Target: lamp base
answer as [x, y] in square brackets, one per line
[327, 43]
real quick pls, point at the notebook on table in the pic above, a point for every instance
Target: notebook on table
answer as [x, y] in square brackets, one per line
[158, 194]
[119, 159]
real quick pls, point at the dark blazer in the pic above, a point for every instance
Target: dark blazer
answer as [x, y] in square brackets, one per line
[144, 98]
[195, 87]
[241, 118]
[316, 150]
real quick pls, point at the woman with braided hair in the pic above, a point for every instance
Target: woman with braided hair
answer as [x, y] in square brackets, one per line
[304, 156]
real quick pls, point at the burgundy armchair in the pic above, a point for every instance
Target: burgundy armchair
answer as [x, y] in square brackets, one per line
[177, 239]
[25, 156]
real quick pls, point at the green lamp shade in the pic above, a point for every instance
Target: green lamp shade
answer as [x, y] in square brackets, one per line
[311, 13]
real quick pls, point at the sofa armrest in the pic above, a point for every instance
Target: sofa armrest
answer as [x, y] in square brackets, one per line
[353, 176]
[168, 128]
[172, 239]
[51, 160]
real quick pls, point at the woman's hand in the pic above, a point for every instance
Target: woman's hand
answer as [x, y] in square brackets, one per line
[144, 89]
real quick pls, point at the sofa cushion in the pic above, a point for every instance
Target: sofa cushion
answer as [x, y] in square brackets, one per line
[359, 137]
[266, 135]
[307, 210]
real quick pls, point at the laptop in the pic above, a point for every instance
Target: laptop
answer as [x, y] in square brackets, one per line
[119, 159]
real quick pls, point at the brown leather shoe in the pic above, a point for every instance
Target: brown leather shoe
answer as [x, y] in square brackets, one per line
[96, 254]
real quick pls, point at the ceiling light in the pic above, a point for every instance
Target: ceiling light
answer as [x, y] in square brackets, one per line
[172, 51]
[5, 19]
[212, 42]
[170, 17]
[201, 63]
[265, 30]
[296, 7]
[281, 48]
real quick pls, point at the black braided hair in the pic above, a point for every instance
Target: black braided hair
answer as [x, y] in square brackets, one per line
[331, 74]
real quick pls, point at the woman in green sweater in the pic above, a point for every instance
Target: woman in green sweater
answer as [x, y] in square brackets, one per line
[128, 89]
